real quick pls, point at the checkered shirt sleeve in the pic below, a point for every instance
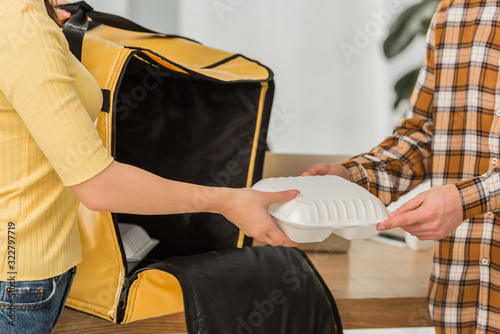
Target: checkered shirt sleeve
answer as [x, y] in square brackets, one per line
[402, 161]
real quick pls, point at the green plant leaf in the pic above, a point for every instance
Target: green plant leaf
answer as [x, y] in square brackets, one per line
[409, 24]
[404, 86]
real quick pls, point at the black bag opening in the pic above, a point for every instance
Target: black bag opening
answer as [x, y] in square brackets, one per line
[188, 129]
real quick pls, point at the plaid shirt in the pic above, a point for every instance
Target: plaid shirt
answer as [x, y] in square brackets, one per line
[452, 135]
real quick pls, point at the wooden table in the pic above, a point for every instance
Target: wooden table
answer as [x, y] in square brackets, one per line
[378, 286]
[375, 286]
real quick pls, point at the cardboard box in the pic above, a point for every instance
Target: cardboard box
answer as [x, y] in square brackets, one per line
[282, 165]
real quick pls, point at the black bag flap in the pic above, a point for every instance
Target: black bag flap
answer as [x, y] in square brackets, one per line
[254, 290]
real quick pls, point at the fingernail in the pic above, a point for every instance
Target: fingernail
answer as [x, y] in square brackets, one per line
[295, 192]
[380, 227]
[306, 174]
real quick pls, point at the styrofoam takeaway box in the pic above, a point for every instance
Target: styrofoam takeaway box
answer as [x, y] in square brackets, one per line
[326, 205]
[294, 164]
[136, 242]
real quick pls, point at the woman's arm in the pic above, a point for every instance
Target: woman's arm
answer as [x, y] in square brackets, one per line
[127, 189]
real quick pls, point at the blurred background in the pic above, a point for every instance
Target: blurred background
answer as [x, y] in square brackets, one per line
[334, 86]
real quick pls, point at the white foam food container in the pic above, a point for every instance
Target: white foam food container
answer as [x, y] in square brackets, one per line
[136, 243]
[326, 205]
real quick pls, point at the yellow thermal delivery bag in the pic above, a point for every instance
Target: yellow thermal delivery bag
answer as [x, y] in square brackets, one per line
[191, 113]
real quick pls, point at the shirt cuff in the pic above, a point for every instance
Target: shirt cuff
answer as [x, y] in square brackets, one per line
[474, 197]
[356, 172]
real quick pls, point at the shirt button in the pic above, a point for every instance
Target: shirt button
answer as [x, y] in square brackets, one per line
[485, 262]
[494, 160]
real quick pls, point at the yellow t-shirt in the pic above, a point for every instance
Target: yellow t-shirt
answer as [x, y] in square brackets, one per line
[48, 141]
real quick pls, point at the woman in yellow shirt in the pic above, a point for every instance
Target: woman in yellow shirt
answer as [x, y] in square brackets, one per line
[51, 158]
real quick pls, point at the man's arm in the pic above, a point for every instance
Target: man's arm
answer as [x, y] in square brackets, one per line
[403, 160]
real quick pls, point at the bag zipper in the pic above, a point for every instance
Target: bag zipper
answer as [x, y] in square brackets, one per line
[122, 304]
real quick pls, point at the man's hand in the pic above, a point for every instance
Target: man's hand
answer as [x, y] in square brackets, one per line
[431, 215]
[327, 169]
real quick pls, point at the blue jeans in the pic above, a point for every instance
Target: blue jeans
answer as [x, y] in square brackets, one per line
[33, 306]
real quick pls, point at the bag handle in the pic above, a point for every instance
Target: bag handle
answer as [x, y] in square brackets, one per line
[78, 24]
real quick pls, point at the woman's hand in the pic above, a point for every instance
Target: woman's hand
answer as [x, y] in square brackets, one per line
[247, 209]
[327, 169]
[431, 215]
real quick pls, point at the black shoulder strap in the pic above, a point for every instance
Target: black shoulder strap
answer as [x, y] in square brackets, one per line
[78, 24]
